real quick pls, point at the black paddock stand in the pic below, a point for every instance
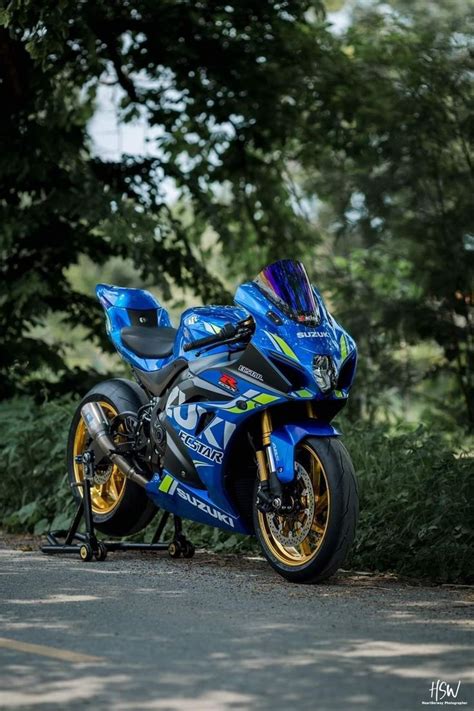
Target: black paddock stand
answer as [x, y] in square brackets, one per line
[88, 546]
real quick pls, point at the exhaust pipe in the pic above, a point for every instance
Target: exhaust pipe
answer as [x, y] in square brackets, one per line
[98, 427]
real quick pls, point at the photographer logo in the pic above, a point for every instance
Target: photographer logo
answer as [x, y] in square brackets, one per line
[444, 694]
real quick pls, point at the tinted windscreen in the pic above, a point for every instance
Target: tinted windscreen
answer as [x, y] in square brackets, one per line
[286, 284]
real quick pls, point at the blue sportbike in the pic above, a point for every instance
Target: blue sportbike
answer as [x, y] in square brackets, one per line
[227, 421]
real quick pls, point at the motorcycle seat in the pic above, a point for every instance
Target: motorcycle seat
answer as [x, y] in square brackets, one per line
[149, 342]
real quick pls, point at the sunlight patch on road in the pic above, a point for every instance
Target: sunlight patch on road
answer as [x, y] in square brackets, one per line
[63, 693]
[53, 599]
[377, 649]
[207, 701]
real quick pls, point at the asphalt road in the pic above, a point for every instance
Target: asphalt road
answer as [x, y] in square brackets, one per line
[146, 632]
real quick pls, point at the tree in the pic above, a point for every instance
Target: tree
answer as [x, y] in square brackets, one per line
[396, 177]
[282, 138]
[219, 80]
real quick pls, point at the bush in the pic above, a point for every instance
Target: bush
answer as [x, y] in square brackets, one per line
[34, 493]
[416, 497]
[416, 504]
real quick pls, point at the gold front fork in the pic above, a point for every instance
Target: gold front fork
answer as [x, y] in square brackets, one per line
[262, 466]
[261, 456]
[266, 427]
[265, 455]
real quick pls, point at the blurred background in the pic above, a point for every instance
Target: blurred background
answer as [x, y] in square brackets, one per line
[180, 146]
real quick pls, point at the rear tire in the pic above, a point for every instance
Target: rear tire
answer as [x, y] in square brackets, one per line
[126, 509]
[332, 517]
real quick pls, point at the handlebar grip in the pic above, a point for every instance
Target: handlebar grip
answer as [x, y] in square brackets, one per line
[192, 345]
[226, 331]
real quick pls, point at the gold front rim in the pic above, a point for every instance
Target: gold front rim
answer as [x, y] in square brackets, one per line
[104, 497]
[303, 552]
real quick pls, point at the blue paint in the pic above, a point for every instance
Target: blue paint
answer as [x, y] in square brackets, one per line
[285, 439]
[278, 337]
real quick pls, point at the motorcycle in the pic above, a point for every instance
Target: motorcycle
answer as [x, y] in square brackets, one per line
[228, 422]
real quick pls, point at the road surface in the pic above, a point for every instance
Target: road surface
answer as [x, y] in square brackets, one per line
[145, 632]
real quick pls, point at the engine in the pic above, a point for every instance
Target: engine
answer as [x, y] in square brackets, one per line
[144, 435]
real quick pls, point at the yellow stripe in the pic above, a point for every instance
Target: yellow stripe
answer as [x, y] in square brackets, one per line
[165, 484]
[285, 347]
[343, 345]
[263, 398]
[44, 651]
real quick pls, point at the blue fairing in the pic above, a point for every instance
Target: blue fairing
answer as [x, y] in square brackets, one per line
[210, 449]
[293, 343]
[298, 344]
[285, 439]
[118, 304]
[194, 504]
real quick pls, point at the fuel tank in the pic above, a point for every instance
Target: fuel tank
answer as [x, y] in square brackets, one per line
[203, 321]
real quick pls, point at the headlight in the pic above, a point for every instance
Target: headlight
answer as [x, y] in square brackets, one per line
[324, 373]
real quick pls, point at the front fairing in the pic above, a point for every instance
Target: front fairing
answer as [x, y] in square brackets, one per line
[283, 340]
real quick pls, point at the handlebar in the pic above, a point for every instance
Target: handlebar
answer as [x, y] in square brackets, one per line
[227, 332]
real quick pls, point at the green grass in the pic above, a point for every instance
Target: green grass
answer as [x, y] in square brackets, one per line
[416, 494]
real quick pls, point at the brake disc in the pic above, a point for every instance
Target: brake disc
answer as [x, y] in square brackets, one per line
[102, 472]
[101, 476]
[291, 530]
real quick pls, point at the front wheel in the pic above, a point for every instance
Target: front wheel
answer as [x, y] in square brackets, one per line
[310, 544]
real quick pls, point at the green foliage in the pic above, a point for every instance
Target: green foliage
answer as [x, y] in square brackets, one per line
[416, 504]
[395, 178]
[34, 493]
[281, 139]
[218, 82]
[417, 498]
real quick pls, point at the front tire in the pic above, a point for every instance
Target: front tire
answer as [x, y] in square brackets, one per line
[310, 546]
[119, 506]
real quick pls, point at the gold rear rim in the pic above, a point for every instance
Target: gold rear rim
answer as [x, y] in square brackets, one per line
[107, 496]
[296, 554]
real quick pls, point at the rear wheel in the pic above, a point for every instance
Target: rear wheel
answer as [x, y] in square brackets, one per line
[310, 544]
[119, 506]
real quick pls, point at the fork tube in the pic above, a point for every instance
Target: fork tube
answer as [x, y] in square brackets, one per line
[266, 432]
[268, 457]
[262, 466]
[262, 454]
[266, 428]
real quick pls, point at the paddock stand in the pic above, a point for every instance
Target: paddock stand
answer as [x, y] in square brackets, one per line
[88, 546]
